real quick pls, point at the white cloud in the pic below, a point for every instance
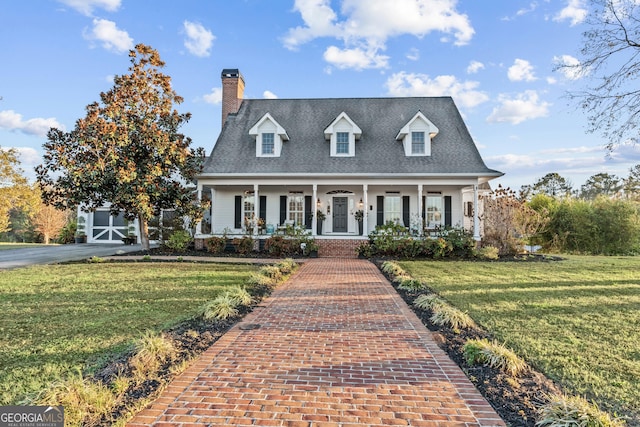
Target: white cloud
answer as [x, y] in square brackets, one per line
[111, 37]
[12, 121]
[474, 67]
[366, 25]
[574, 11]
[357, 58]
[525, 106]
[215, 97]
[569, 67]
[521, 70]
[464, 93]
[199, 39]
[267, 94]
[414, 54]
[86, 7]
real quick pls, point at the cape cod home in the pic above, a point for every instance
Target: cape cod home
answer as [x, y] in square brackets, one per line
[311, 161]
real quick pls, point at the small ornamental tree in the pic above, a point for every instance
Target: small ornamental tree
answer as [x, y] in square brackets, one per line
[127, 151]
[15, 191]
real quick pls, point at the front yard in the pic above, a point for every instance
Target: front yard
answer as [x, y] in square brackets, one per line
[57, 320]
[577, 320]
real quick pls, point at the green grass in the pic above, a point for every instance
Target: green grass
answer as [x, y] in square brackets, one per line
[56, 319]
[6, 246]
[577, 320]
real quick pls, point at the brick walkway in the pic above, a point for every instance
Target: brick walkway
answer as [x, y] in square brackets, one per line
[336, 347]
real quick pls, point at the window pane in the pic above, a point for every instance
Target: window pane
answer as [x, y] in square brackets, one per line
[434, 210]
[268, 146]
[342, 143]
[392, 208]
[296, 209]
[248, 207]
[417, 142]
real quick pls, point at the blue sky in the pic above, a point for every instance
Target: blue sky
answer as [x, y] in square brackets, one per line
[494, 57]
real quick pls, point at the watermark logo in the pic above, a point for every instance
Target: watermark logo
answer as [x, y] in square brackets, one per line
[31, 416]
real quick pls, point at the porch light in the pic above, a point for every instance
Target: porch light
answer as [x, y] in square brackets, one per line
[318, 202]
[360, 204]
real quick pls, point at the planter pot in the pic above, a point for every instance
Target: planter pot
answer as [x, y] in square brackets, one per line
[80, 239]
[360, 226]
[313, 254]
[319, 228]
[130, 240]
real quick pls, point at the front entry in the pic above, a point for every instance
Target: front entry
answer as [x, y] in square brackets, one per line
[340, 211]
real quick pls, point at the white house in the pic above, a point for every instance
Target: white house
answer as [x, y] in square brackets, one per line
[407, 160]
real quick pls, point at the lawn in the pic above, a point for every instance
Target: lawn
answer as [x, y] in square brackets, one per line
[62, 318]
[5, 246]
[577, 320]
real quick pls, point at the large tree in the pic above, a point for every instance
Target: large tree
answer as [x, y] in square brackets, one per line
[127, 151]
[610, 60]
[552, 184]
[601, 184]
[15, 191]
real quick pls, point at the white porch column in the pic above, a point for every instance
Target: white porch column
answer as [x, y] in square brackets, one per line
[199, 224]
[213, 197]
[256, 213]
[476, 212]
[314, 215]
[420, 210]
[365, 209]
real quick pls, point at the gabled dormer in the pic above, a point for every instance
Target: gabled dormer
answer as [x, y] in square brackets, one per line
[416, 136]
[343, 134]
[269, 136]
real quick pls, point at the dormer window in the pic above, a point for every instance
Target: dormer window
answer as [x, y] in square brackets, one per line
[343, 134]
[342, 143]
[269, 136]
[417, 143]
[416, 136]
[268, 145]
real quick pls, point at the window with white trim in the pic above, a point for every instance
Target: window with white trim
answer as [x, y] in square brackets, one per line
[342, 143]
[417, 142]
[268, 144]
[248, 209]
[342, 134]
[435, 211]
[269, 137]
[296, 209]
[393, 209]
[417, 135]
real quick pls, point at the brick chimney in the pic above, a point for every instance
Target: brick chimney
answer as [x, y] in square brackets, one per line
[232, 92]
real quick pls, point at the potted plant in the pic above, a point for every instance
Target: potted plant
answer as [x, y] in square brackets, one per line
[80, 236]
[131, 237]
[312, 249]
[359, 215]
[321, 217]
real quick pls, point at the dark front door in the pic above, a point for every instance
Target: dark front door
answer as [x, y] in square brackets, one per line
[340, 214]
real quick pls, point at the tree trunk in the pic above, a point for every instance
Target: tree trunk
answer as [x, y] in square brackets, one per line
[144, 233]
[46, 238]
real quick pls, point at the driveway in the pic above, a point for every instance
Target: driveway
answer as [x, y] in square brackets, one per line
[15, 258]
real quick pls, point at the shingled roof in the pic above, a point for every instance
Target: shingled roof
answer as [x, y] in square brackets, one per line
[377, 152]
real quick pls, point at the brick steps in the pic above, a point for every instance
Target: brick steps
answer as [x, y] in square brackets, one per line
[338, 248]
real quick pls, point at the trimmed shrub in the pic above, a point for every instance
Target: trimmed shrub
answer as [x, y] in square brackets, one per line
[84, 401]
[151, 352]
[215, 245]
[221, 308]
[412, 285]
[447, 315]
[493, 354]
[243, 245]
[179, 241]
[563, 411]
[488, 253]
